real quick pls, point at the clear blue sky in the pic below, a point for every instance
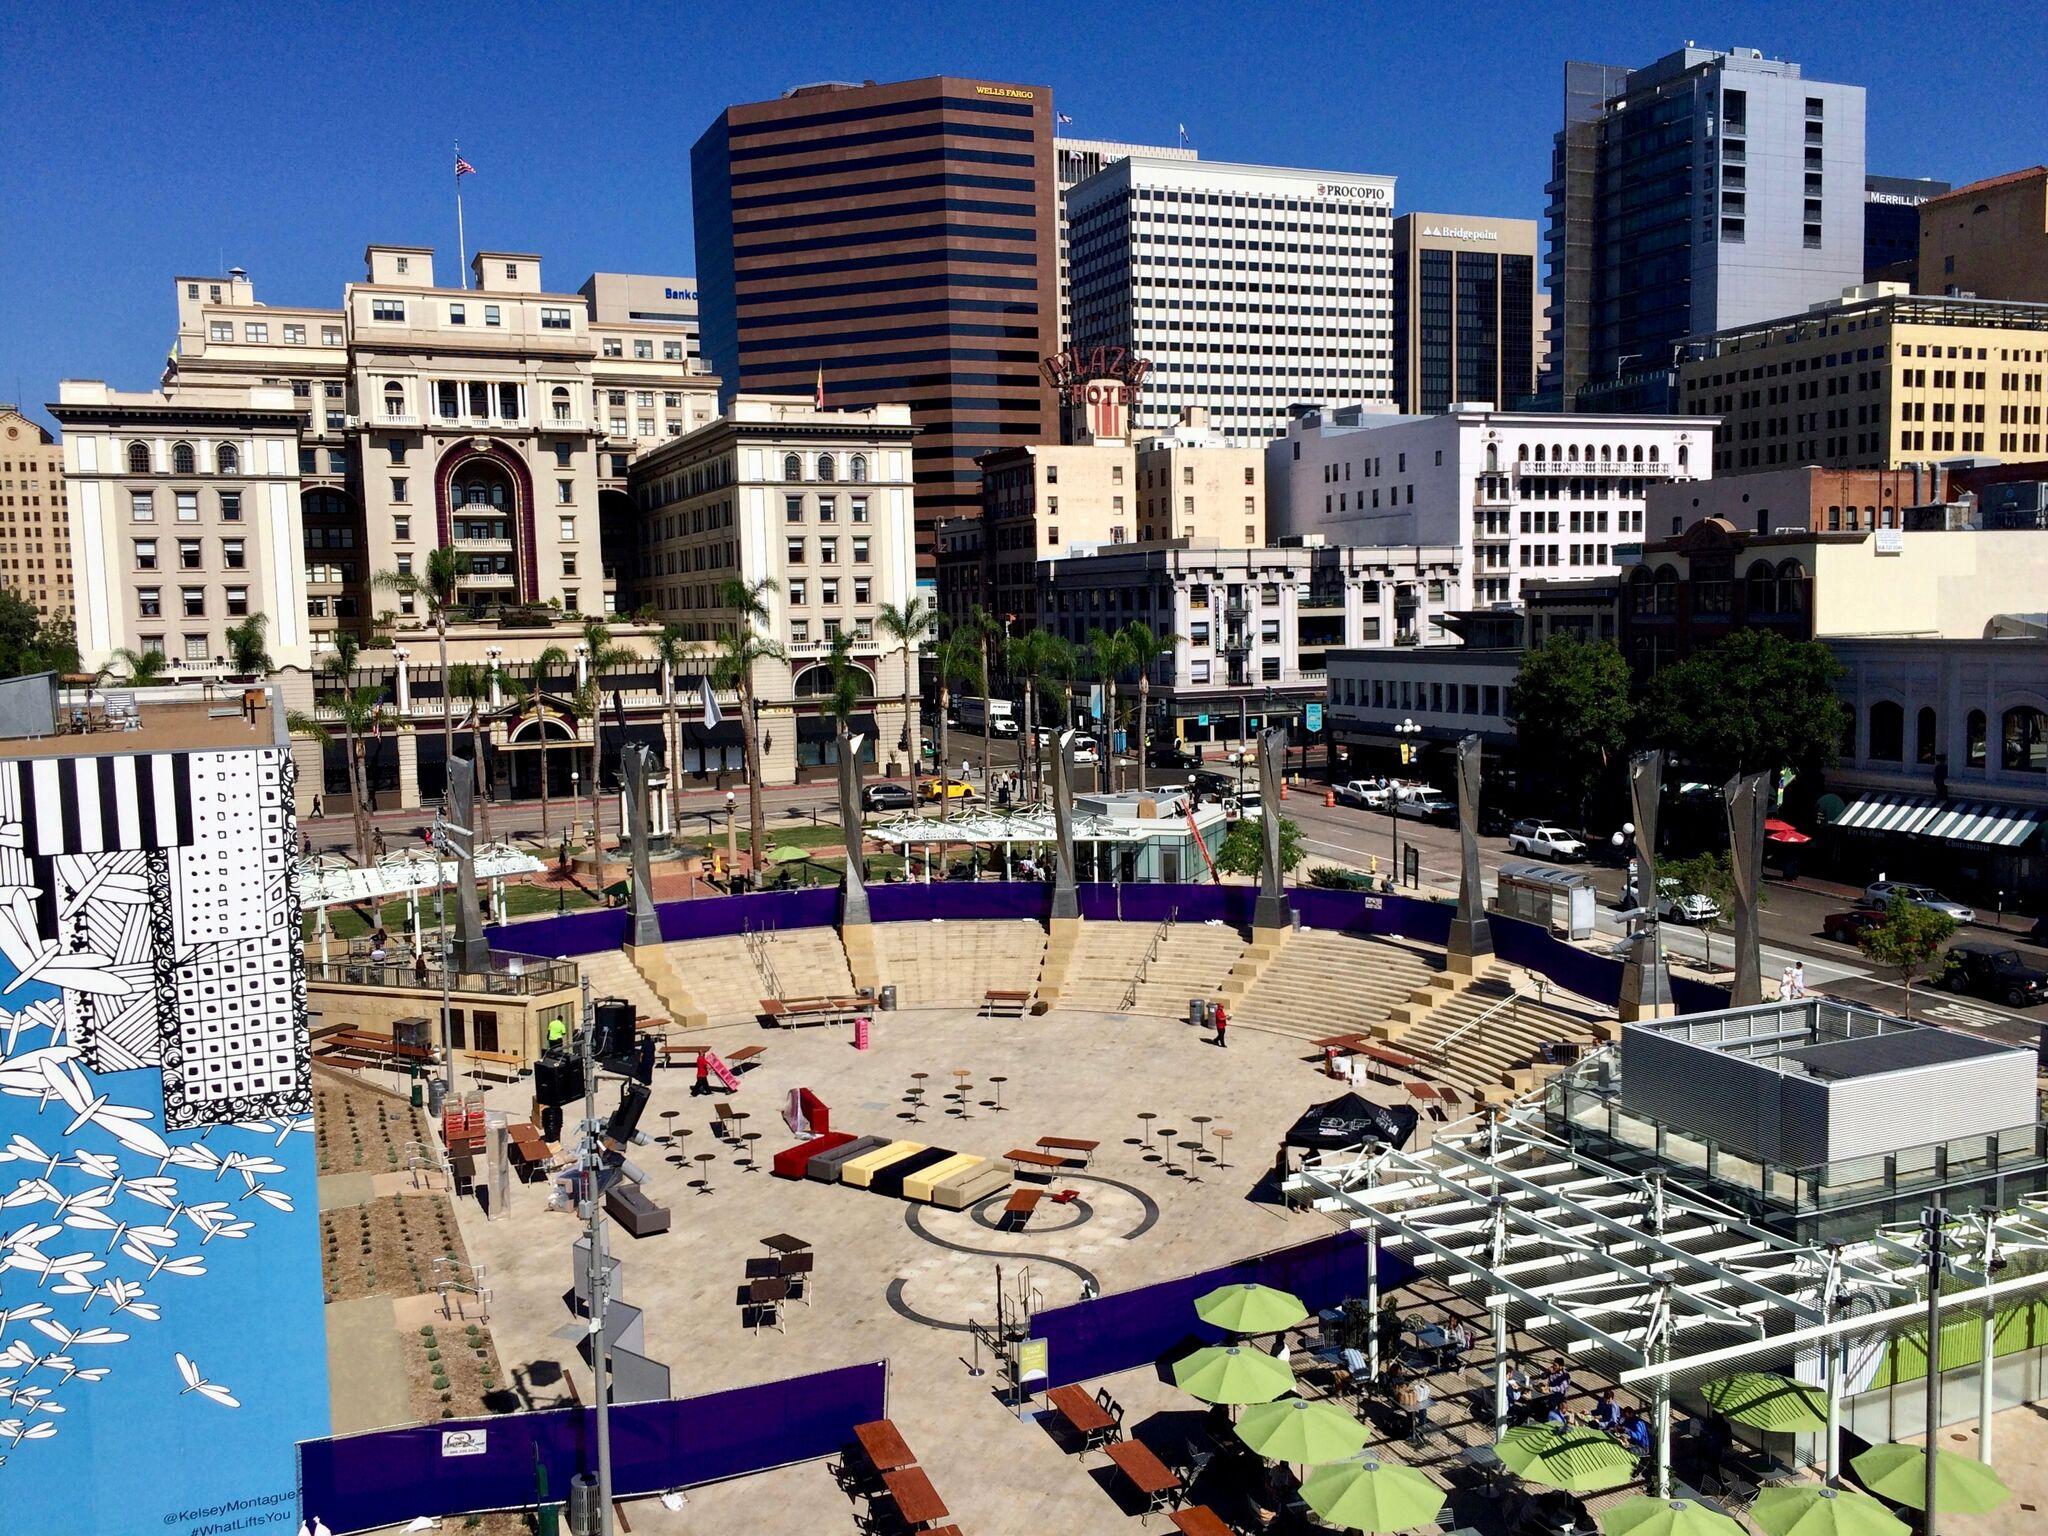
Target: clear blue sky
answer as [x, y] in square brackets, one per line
[138, 142]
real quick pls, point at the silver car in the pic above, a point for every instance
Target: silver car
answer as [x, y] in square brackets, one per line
[1880, 892]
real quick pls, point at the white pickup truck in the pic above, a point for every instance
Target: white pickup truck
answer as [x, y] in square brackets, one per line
[1543, 840]
[1370, 794]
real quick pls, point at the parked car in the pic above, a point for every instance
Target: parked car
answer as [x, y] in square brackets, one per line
[1545, 840]
[1168, 754]
[1427, 805]
[1880, 892]
[1847, 927]
[1249, 803]
[939, 789]
[1993, 971]
[1368, 794]
[1086, 753]
[1207, 784]
[886, 797]
[1696, 909]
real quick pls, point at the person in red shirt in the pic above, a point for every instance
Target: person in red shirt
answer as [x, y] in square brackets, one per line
[703, 1084]
[1222, 1024]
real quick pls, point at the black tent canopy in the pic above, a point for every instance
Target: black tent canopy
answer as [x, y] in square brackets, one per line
[1349, 1121]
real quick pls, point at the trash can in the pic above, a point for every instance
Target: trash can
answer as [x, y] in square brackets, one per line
[1198, 1012]
[585, 1512]
[885, 999]
[437, 1092]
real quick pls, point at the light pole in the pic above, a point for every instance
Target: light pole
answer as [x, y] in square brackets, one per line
[599, 1293]
[1402, 732]
[1620, 841]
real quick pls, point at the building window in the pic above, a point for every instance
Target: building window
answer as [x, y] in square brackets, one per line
[828, 551]
[559, 401]
[825, 467]
[568, 563]
[828, 509]
[859, 509]
[2025, 735]
[458, 314]
[188, 506]
[401, 529]
[1887, 732]
[554, 318]
[860, 551]
[857, 469]
[255, 330]
[145, 554]
[672, 351]
[149, 602]
[193, 601]
[793, 551]
[387, 309]
[799, 592]
[1927, 742]
[565, 492]
[400, 488]
[196, 648]
[142, 506]
[863, 589]
[491, 314]
[1973, 738]
[644, 350]
[792, 509]
[828, 591]
[613, 347]
[567, 530]
[221, 330]
[188, 554]
[330, 335]
[238, 602]
[138, 458]
[234, 554]
[183, 460]
[227, 461]
[792, 467]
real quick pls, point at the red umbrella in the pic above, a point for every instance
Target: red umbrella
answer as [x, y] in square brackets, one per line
[1784, 832]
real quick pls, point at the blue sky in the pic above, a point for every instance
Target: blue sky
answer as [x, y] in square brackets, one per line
[139, 142]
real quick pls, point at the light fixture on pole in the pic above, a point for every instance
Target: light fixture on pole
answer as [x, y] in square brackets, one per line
[1403, 733]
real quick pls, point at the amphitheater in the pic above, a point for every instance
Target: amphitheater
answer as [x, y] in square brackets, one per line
[1180, 1178]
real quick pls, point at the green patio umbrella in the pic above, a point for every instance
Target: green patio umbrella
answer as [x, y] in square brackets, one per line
[1577, 1460]
[1764, 1401]
[1249, 1308]
[786, 855]
[1810, 1510]
[1233, 1375]
[1372, 1495]
[1963, 1485]
[1299, 1431]
[1666, 1517]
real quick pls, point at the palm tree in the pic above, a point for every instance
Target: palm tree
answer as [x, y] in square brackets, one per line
[1031, 656]
[743, 644]
[471, 683]
[1108, 654]
[437, 587]
[597, 640]
[527, 701]
[671, 650]
[141, 668]
[245, 646]
[956, 659]
[1142, 648]
[989, 634]
[360, 710]
[909, 626]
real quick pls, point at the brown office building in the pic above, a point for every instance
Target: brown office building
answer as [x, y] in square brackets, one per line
[900, 239]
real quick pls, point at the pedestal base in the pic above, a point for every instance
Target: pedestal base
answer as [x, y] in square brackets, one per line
[1470, 943]
[646, 928]
[853, 904]
[1066, 902]
[1273, 912]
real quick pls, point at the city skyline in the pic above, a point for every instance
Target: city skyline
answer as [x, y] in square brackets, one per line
[85, 291]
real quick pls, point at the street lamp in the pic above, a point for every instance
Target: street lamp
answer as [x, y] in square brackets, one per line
[1402, 732]
[732, 857]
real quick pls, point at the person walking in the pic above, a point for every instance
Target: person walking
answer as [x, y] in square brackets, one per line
[419, 967]
[703, 1084]
[318, 812]
[1222, 1019]
[1799, 981]
[1785, 985]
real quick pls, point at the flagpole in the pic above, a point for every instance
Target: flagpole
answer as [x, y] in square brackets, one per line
[461, 240]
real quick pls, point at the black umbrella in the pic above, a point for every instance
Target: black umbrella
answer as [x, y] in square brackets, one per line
[1350, 1121]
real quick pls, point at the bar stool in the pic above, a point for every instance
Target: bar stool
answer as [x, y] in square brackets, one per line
[1145, 1119]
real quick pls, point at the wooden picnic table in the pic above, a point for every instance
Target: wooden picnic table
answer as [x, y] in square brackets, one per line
[782, 1242]
[1422, 1091]
[791, 1011]
[1032, 1159]
[1077, 1149]
[883, 1445]
[998, 1003]
[1022, 1203]
[1198, 1520]
[917, 1501]
[1085, 1416]
[1351, 1042]
[1388, 1056]
[1154, 1480]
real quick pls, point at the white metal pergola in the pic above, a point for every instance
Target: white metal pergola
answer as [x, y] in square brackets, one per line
[330, 880]
[1652, 1277]
[1008, 829]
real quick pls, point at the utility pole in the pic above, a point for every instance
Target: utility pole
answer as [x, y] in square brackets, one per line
[444, 850]
[593, 1200]
[1932, 1220]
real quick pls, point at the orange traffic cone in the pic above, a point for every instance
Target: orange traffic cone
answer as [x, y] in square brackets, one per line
[1329, 797]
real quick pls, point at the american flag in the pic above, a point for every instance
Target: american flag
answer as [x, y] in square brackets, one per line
[463, 168]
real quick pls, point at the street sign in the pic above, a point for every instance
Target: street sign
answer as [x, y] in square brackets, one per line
[1201, 719]
[1312, 717]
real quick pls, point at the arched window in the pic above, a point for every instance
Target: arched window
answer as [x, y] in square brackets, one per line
[394, 398]
[857, 468]
[1556, 453]
[138, 458]
[1642, 591]
[1653, 453]
[183, 460]
[1667, 591]
[2025, 736]
[825, 468]
[1761, 588]
[1522, 454]
[558, 399]
[1973, 738]
[1639, 453]
[1681, 455]
[1887, 732]
[1927, 737]
[1791, 586]
[226, 460]
[1606, 454]
[792, 467]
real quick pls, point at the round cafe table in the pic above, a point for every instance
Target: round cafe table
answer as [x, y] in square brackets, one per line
[1223, 1135]
[1145, 1119]
[704, 1162]
[961, 1091]
[1167, 1133]
[669, 1117]
[998, 1081]
[1201, 1125]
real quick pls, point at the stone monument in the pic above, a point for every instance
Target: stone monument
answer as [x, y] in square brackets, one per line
[1273, 909]
[1066, 901]
[854, 907]
[635, 763]
[1744, 795]
[457, 840]
[1645, 983]
[1471, 937]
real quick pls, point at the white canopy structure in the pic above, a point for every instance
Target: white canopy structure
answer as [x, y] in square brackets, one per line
[329, 880]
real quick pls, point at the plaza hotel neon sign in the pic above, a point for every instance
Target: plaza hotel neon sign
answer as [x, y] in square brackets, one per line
[1102, 383]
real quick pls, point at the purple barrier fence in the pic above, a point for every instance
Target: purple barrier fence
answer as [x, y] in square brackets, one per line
[1131, 1328]
[714, 917]
[391, 1476]
[960, 900]
[1401, 917]
[572, 933]
[1150, 903]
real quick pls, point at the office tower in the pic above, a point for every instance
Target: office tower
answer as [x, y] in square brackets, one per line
[35, 530]
[888, 243]
[1464, 307]
[1250, 288]
[1078, 159]
[1988, 240]
[1706, 190]
[1891, 226]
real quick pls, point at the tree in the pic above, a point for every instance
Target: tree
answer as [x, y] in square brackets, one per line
[141, 668]
[1753, 701]
[601, 653]
[437, 587]
[1032, 655]
[32, 643]
[956, 659]
[1909, 937]
[909, 626]
[526, 699]
[1108, 654]
[356, 717]
[741, 645]
[1243, 850]
[1711, 875]
[1143, 649]
[671, 650]
[1570, 703]
[471, 683]
[245, 647]
[991, 639]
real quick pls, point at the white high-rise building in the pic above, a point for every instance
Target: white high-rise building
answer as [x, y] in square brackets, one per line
[1076, 160]
[1519, 494]
[1251, 288]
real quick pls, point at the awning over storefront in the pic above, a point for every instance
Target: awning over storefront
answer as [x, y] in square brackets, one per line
[1890, 813]
[1975, 821]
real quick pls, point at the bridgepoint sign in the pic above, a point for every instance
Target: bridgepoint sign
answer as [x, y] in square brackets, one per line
[1451, 232]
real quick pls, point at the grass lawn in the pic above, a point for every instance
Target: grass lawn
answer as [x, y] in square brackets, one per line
[520, 901]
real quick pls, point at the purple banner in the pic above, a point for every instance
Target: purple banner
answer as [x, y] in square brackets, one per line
[1130, 1328]
[459, 1466]
[961, 901]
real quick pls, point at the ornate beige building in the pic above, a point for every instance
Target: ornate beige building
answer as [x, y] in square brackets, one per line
[35, 533]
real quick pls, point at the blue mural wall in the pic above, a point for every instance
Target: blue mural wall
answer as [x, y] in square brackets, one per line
[162, 1343]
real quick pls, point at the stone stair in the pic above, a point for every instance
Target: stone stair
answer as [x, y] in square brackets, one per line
[1486, 1039]
[661, 990]
[1320, 982]
[1191, 961]
[952, 964]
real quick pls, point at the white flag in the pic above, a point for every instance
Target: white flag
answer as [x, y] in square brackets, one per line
[711, 712]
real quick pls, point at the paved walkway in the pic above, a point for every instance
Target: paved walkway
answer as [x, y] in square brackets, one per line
[366, 1380]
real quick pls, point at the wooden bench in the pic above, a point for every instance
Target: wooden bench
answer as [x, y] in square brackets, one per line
[998, 1004]
[1024, 1157]
[1071, 1149]
[499, 1066]
[788, 1012]
[1018, 1208]
[379, 1049]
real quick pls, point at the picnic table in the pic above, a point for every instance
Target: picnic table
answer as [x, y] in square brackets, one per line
[1021, 1204]
[997, 1003]
[1084, 1415]
[1198, 1520]
[883, 1445]
[792, 1011]
[1155, 1481]
[1074, 1148]
[1387, 1056]
[917, 1501]
[782, 1242]
[357, 1042]
[1028, 1158]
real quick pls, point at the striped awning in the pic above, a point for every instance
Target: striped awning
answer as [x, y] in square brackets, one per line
[1891, 813]
[1975, 821]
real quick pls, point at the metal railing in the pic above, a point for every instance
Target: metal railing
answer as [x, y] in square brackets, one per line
[1443, 1047]
[509, 975]
[756, 940]
[1159, 937]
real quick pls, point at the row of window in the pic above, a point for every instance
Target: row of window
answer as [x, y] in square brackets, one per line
[259, 331]
[234, 554]
[142, 506]
[227, 459]
[1436, 698]
[2022, 737]
[149, 602]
